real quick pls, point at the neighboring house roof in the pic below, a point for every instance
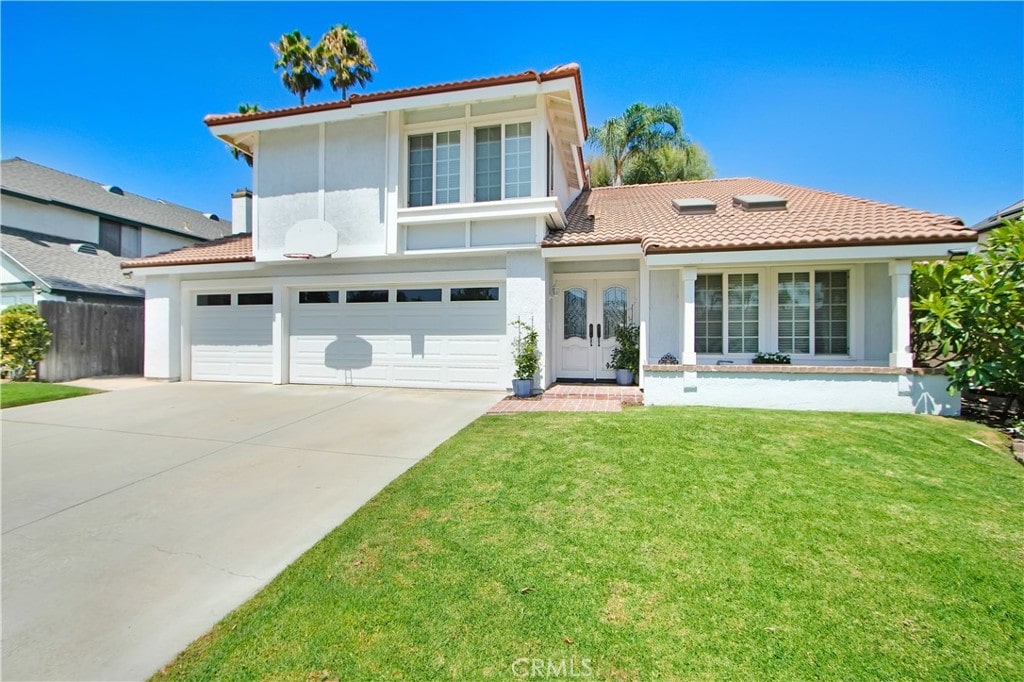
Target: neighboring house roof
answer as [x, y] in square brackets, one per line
[234, 249]
[645, 214]
[25, 179]
[54, 265]
[1012, 212]
[560, 71]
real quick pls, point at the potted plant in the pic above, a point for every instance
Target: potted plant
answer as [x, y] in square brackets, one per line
[526, 356]
[626, 358]
[763, 358]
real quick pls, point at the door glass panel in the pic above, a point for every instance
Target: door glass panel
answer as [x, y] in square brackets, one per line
[575, 315]
[614, 310]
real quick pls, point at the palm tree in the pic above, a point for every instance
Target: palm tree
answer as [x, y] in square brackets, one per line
[670, 163]
[344, 57]
[235, 151]
[642, 128]
[300, 63]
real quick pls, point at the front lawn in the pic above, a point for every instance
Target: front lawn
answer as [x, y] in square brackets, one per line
[660, 543]
[13, 394]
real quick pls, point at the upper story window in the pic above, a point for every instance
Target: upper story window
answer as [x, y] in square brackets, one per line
[435, 168]
[120, 240]
[501, 152]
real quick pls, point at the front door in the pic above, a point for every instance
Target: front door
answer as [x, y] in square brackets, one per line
[588, 313]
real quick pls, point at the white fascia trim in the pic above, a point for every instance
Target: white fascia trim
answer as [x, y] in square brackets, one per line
[878, 252]
[507, 208]
[559, 86]
[445, 276]
[468, 250]
[36, 279]
[595, 252]
[360, 109]
[198, 269]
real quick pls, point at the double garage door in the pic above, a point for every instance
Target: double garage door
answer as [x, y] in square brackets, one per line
[441, 336]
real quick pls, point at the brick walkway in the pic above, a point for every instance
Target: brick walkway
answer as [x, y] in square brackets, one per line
[574, 398]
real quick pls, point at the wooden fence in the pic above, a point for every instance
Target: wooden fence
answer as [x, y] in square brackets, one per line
[92, 339]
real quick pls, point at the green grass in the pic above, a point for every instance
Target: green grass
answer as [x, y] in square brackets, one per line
[660, 544]
[15, 394]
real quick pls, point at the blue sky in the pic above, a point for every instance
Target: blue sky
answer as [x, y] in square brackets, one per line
[915, 104]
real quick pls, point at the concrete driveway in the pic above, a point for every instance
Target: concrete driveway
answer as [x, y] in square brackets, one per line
[134, 520]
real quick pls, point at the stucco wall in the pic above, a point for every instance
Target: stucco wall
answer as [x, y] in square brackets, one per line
[666, 308]
[163, 328]
[47, 219]
[289, 184]
[922, 394]
[155, 242]
[877, 312]
[527, 300]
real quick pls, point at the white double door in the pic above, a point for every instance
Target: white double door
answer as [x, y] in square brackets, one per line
[587, 314]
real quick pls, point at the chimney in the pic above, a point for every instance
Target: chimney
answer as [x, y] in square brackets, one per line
[241, 211]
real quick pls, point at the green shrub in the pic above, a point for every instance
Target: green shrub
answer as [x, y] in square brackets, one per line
[968, 313]
[24, 339]
[627, 355]
[772, 359]
[525, 350]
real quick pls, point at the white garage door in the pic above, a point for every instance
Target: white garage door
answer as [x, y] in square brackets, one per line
[232, 336]
[442, 336]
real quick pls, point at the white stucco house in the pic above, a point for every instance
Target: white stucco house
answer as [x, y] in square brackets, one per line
[390, 239]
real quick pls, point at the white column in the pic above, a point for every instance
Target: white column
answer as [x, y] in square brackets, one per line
[645, 315]
[526, 299]
[688, 276]
[164, 345]
[899, 274]
[279, 336]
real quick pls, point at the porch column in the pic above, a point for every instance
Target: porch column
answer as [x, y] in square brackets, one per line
[688, 277]
[645, 315]
[899, 274]
[279, 336]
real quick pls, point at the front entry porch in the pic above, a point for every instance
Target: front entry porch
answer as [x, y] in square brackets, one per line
[570, 397]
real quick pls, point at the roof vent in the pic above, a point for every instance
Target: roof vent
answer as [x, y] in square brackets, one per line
[114, 189]
[759, 202]
[89, 249]
[211, 216]
[695, 206]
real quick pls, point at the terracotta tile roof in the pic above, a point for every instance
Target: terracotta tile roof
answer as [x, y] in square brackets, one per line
[645, 214]
[556, 72]
[234, 249]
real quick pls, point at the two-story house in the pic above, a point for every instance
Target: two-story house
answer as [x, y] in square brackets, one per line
[396, 236]
[63, 237]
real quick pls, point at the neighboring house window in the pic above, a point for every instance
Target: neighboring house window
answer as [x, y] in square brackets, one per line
[496, 154]
[828, 317]
[120, 240]
[726, 320]
[434, 162]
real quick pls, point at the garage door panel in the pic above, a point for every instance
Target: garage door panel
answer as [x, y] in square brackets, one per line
[232, 343]
[431, 344]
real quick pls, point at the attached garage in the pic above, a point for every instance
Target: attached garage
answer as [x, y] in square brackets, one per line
[431, 336]
[231, 336]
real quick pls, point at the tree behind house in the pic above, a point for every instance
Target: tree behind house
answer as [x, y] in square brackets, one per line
[299, 63]
[345, 59]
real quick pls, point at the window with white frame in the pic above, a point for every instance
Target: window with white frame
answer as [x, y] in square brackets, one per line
[743, 313]
[502, 151]
[435, 161]
[727, 313]
[827, 313]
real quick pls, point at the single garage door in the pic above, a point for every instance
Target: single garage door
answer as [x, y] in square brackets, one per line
[438, 336]
[232, 336]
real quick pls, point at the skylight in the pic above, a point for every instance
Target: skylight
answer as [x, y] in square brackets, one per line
[694, 206]
[759, 202]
